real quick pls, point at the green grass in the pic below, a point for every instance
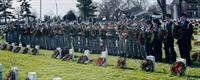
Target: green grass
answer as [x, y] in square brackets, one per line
[48, 68]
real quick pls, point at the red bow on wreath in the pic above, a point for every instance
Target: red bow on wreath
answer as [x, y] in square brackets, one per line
[100, 61]
[177, 67]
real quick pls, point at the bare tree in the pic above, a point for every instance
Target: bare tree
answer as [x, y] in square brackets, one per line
[163, 4]
[108, 7]
[118, 7]
[154, 8]
[34, 14]
[17, 12]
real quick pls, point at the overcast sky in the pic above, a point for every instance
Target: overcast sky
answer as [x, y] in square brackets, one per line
[49, 6]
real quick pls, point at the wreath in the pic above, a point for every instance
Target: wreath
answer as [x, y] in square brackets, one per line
[147, 65]
[25, 51]
[195, 32]
[197, 43]
[83, 59]
[68, 57]
[101, 61]
[121, 63]
[11, 75]
[196, 56]
[34, 51]
[27, 78]
[3, 46]
[55, 54]
[178, 69]
[17, 49]
[10, 48]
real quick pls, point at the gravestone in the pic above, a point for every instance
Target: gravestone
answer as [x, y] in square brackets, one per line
[181, 60]
[1, 72]
[16, 70]
[57, 78]
[152, 58]
[60, 53]
[32, 76]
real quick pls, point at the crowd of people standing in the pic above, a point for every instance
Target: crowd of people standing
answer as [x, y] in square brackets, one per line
[127, 37]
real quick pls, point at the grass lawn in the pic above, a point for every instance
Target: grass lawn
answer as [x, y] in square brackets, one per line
[48, 68]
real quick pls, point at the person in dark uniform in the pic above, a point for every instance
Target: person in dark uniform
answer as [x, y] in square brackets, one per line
[185, 40]
[25, 33]
[82, 38]
[36, 35]
[157, 42]
[149, 36]
[103, 32]
[16, 32]
[170, 53]
[74, 35]
[45, 37]
[95, 33]
[123, 36]
[10, 33]
[111, 37]
[67, 36]
[92, 40]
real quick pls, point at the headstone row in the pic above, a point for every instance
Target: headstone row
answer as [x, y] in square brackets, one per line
[69, 55]
[147, 65]
[20, 49]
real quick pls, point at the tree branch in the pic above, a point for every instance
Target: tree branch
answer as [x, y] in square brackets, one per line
[160, 3]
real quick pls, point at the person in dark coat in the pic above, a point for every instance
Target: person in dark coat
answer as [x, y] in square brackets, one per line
[149, 36]
[157, 42]
[16, 32]
[170, 53]
[185, 40]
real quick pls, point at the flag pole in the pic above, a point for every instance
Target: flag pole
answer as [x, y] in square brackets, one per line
[40, 11]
